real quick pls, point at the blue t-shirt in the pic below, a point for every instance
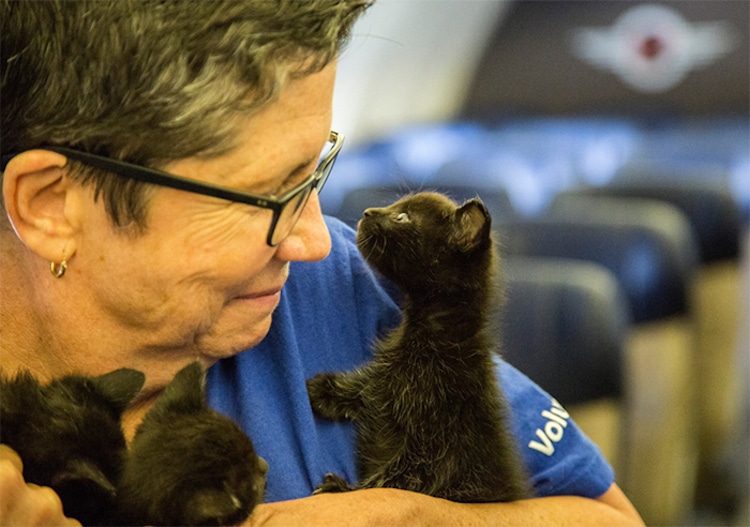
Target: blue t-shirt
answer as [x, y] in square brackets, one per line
[329, 314]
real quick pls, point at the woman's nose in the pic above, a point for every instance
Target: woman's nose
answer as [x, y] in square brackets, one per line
[309, 240]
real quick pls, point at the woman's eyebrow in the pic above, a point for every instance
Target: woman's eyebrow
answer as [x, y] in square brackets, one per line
[294, 173]
[301, 167]
[298, 169]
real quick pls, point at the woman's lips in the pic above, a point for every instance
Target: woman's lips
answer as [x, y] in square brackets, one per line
[269, 292]
[269, 296]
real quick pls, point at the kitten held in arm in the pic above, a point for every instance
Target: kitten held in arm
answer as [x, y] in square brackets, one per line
[429, 413]
[68, 437]
[188, 464]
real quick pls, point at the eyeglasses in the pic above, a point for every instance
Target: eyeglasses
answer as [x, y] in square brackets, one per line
[286, 208]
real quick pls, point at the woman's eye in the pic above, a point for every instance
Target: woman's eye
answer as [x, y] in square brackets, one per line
[401, 217]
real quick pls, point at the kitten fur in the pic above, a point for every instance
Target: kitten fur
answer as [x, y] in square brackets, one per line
[69, 437]
[430, 416]
[188, 464]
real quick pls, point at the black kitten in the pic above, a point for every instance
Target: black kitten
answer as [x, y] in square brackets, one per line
[69, 437]
[429, 413]
[188, 464]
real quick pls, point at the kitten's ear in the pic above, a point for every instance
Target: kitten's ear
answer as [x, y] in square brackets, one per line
[83, 477]
[471, 225]
[186, 390]
[120, 386]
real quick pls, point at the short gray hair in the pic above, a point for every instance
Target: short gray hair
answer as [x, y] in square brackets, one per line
[152, 81]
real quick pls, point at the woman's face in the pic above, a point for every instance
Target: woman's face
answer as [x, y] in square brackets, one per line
[201, 282]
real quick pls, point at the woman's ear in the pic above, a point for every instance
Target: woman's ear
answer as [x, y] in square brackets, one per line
[37, 200]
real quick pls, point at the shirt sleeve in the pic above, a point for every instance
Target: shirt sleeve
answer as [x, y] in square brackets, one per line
[560, 458]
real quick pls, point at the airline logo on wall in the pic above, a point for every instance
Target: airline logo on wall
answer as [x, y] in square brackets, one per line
[652, 48]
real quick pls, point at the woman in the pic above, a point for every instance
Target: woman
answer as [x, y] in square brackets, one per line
[232, 102]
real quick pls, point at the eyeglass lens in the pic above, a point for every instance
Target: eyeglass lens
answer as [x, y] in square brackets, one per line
[293, 209]
[289, 215]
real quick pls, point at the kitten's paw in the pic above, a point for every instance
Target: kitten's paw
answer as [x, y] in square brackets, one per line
[332, 483]
[324, 396]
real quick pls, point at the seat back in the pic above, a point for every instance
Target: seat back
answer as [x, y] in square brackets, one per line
[714, 297]
[564, 325]
[650, 247]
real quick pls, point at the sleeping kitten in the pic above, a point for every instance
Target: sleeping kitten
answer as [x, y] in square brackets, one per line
[429, 413]
[69, 437]
[189, 465]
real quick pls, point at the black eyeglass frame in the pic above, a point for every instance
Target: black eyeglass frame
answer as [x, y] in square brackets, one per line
[316, 180]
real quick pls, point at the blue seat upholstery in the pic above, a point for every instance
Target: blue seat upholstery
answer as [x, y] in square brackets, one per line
[648, 245]
[708, 204]
[564, 325]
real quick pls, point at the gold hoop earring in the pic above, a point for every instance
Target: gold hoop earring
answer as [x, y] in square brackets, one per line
[58, 270]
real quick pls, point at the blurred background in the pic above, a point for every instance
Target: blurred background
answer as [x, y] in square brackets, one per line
[611, 142]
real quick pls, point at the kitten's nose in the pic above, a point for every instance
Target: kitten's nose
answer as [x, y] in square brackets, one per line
[372, 211]
[262, 465]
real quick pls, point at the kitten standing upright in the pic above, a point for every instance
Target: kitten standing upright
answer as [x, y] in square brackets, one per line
[429, 414]
[69, 437]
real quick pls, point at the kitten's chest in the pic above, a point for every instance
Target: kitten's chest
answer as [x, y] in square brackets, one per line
[420, 379]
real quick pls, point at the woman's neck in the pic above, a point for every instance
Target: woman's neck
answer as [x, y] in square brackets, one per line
[26, 333]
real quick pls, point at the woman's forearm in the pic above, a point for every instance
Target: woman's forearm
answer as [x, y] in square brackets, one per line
[391, 507]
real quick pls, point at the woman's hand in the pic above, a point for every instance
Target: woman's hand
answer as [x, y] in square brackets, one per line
[23, 503]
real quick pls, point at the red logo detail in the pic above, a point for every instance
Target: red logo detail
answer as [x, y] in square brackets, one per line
[651, 47]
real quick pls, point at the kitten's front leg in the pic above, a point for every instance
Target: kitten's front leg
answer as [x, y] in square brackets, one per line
[333, 483]
[336, 396]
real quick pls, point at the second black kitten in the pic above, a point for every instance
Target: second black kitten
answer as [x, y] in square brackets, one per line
[429, 414]
[188, 464]
[68, 435]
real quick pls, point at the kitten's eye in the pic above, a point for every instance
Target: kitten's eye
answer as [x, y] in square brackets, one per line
[401, 217]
